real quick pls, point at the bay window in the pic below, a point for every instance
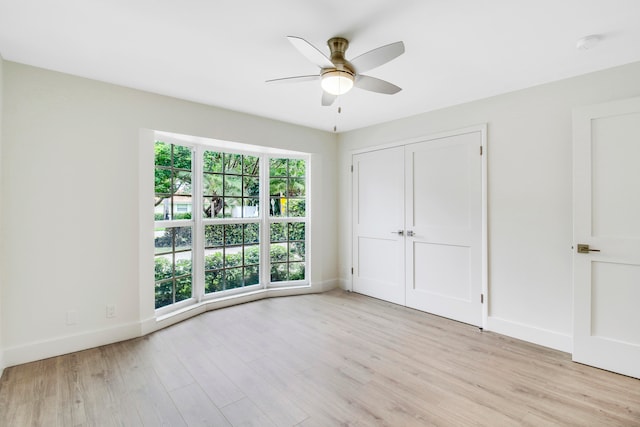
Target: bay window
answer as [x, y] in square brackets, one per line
[227, 221]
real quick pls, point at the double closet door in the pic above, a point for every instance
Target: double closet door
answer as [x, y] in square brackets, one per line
[418, 225]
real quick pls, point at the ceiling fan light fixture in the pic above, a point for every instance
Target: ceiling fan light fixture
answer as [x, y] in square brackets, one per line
[337, 82]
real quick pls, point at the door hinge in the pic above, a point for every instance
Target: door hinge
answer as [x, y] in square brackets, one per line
[481, 150]
[481, 298]
[351, 270]
[351, 168]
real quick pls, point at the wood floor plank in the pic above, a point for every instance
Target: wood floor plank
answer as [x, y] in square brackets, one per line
[196, 408]
[332, 359]
[244, 413]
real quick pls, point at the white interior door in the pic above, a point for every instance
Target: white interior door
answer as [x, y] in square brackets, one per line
[444, 227]
[606, 189]
[378, 224]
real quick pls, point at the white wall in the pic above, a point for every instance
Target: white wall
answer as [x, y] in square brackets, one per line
[1, 233]
[529, 194]
[70, 203]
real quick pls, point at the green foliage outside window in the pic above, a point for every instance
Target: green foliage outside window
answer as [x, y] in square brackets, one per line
[230, 189]
[287, 187]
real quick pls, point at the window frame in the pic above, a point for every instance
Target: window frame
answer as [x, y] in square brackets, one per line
[264, 219]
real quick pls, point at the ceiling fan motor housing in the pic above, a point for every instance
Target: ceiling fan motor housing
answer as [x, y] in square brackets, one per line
[338, 46]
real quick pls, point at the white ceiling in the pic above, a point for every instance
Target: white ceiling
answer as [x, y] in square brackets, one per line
[220, 52]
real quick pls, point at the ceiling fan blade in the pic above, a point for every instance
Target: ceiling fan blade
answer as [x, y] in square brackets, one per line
[327, 99]
[376, 57]
[311, 52]
[376, 85]
[295, 79]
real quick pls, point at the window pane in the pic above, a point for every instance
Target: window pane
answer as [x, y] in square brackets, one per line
[278, 167]
[183, 288]
[251, 165]
[232, 207]
[296, 230]
[212, 162]
[213, 236]
[181, 157]
[214, 281]
[251, 233]
[278, 186]
[275, 208]
[163, 240]
[278, 252]
[182, 182]
[164, 267]
[296, 187]
[213, 259]
[251, 254]
[251, 208]
[182, 238]
[164, 293]
[162, 154]
[279, 232]
[251, 275]
[233, 278]
[183, 264]
[278, 272]
[212, 207]
[296, 271]
[233, 234]
[297, 167]
[233, 163]
[162, 181]
[212, 184]
[232, 185]
[181, 207]
[296, 207]
[233, 257]
[296, 251]
[251, 187]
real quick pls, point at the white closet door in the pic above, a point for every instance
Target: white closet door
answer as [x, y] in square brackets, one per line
[378, 224]
[606, 282]
[444, 227]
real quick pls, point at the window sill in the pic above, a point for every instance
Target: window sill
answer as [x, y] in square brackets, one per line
[191, 310]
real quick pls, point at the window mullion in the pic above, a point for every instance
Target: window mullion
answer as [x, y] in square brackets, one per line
[198, 227]
[265, 243]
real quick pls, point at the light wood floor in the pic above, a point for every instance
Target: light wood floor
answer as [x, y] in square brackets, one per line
[336, 359]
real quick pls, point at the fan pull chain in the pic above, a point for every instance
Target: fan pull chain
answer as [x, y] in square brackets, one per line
[339, 111]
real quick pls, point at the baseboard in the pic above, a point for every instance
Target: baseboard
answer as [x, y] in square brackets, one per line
[68, 344]
[543, 337]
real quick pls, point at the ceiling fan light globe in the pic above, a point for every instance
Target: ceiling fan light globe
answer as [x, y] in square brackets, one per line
[337, 82]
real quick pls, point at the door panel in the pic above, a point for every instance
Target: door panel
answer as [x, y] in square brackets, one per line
[442, 270]
[378, 203]
[615, 289]
[444, 214]
[607, 218]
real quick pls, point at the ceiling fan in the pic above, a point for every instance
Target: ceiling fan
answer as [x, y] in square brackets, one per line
[337, 75]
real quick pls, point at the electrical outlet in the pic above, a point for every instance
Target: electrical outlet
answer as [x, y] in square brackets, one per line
[111, 310]
[72, 317]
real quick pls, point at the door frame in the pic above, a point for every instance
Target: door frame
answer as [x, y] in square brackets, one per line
[482, 128]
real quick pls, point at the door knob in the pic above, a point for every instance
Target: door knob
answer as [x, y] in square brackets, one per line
[584, 249]
[410, 233]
